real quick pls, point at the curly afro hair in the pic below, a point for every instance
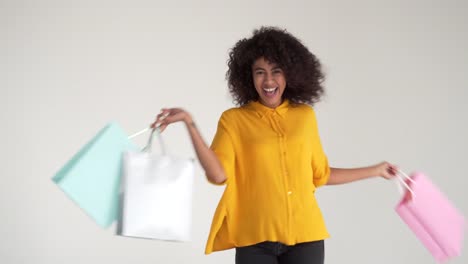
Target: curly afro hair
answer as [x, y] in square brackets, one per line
[302, 69]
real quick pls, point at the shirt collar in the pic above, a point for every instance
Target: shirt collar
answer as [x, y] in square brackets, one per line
[263, 110]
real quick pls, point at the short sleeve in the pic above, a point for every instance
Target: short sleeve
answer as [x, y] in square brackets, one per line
[222, 146]
[320, 167]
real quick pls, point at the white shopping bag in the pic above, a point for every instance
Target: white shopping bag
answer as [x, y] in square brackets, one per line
[156, 198]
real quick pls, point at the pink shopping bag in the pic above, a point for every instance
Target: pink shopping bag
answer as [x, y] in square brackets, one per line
[431, 216]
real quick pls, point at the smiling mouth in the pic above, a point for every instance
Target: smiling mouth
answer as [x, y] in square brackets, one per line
[270, 91]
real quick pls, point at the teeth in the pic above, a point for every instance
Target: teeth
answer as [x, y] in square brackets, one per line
[269, 89]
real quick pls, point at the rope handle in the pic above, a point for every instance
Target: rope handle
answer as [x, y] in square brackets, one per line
[402, 184]
[149, 144]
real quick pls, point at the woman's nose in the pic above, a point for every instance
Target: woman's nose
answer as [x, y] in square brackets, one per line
[269, 78]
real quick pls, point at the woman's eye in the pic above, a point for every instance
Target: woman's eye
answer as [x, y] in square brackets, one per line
[277, 71]
[259, 73]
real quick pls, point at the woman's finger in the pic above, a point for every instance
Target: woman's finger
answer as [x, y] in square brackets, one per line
[162, 127]
[164, 114]
[161, 116]
[166, 117]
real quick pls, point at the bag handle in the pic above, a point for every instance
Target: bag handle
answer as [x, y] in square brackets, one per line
[401, 183]
[138, 133]
[149, 144]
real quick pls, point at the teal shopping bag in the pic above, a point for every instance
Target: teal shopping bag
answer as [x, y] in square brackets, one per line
[92, 177]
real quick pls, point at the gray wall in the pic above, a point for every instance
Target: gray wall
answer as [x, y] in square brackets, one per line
[396, 90]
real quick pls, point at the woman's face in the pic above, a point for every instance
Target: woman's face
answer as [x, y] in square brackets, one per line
[269, 81]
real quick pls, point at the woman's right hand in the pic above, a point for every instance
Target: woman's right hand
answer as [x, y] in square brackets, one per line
[208, 159]
[169, 116]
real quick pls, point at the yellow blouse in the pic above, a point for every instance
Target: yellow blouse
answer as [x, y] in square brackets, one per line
[273, 160]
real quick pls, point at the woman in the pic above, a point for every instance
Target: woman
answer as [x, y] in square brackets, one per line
[268, 153]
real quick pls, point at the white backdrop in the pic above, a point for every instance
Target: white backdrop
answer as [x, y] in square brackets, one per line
[396, 90]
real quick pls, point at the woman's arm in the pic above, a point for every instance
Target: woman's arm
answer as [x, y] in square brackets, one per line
[210, 163]
[341, 176]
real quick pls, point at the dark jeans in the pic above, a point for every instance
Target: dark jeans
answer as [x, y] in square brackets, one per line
[278, 253]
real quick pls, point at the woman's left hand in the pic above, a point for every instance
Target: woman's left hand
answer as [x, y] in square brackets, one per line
[386, 170]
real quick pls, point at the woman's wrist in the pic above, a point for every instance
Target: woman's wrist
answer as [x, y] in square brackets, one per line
[188, 120]
[375, 170]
